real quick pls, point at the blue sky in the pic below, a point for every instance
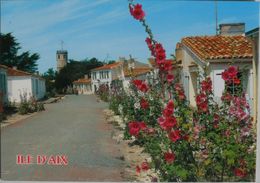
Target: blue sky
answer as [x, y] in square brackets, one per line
[104, 28]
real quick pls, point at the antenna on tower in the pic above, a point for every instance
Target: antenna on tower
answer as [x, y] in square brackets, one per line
[216, 15]
[61, 43]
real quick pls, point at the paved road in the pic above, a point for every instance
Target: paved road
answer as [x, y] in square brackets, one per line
[74, 127]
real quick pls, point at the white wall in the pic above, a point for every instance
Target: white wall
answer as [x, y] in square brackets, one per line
[17, 86]
[3, 84]
[98, 80]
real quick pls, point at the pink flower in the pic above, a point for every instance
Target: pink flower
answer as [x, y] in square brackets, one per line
[206, 85]
[170, 78]
[144, 104]
[239, 172]
[145, 166]
[225, 76]
[232, 71]
[174, 135]
[134, 128]
[169, 157]
[137, 12]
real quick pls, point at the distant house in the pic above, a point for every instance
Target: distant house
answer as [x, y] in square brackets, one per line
[106, 74]
[141, 73]
[22, 83]
[83, 85]
[212, 55]
[3, 84]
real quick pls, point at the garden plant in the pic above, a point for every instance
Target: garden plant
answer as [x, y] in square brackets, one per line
[214, 142]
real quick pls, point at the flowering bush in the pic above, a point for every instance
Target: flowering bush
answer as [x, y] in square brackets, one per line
[214, 142]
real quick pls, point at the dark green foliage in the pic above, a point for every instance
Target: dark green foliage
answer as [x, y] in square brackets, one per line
[9, 54]
[73, 71]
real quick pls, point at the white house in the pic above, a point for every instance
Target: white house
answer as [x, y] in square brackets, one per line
[3, 84]
[83, 85]
[22, 83]
[212, 55]
[106, 74]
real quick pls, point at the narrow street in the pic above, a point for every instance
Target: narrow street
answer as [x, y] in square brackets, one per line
[74, 127]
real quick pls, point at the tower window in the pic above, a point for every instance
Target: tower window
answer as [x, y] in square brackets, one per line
[58, 56]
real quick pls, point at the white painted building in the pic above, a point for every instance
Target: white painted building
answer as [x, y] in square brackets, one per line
[83, 86]
[3, 84]
[21, 83]
[106, 74]
[212, 55]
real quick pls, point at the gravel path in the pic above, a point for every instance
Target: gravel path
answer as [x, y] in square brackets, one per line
[74, 127]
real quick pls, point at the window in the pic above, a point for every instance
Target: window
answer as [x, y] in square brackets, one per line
[58, 56]
[37, 86]
[94, 75]
[236, 87]
[101, 75]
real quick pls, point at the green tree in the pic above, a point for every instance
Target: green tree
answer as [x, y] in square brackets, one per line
[50, 76]
[9, 54]
[75, 70]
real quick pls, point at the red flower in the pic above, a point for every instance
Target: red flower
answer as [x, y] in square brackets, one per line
[226, 97]
[137, 12]
[236, 81]
[201, 98]
[145, 166]
[206, 85]
[170, 78]
[142, 125]
[167, 112]
[181, 95]
[143, 87]
[169, 157]
[137, 82]
[144, 104]
[225, 76]
[168, 123]
[203, 106]
[178, 87]
[134, 128]
[138, 169]
[232, 71]
[170, 104]
[239, 172]
[174, 135]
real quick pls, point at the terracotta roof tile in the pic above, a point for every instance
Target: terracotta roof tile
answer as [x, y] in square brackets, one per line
[137, 71]
[219, 47]
[108, 66]
[82, 81]
[15, 72]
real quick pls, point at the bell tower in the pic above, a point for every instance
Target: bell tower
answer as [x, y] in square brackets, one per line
[61, 57]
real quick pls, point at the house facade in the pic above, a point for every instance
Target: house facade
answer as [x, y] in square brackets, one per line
[253, 35]
[211, 55]
[3, 84]
[83, 86]
[25, 84]
[106, 74]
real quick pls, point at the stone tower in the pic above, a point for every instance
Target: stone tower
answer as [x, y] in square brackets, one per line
[62, 59]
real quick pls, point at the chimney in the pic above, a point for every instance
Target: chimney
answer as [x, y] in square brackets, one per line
[178, 52]
[232, 29]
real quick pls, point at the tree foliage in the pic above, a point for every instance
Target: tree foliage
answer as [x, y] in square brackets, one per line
[9, 54]
[75, 70]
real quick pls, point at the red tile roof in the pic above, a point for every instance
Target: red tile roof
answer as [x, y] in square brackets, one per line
[82, 81]
[108, 66]
[15, 72]
[137, 71]
[219, 47]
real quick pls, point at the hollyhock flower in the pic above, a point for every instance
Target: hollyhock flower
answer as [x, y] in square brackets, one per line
[169, 157]
[168, 123]
[239, 172]
[137, 12]
[225, 76]
[150, 131]
[203, 106]
[227, 133]
[144, 104]
[143, 87]
[142, 125]
[181, 95]
[137, 82]
[177, 87]
[236, 81]
[170, 104]
[226, 97]
[170, 78]
[174, 135]
[134, 128]
[145, 166]
[201, 98]
[206, 85]
[138, 169]
[232, 71]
